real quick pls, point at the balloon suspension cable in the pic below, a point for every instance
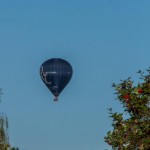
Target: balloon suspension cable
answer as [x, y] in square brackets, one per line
[55, 99]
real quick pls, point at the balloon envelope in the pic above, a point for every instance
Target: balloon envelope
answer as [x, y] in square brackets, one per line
[56, 74]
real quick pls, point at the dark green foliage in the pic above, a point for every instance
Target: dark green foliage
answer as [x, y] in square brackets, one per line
[14, 148]
[132, 133]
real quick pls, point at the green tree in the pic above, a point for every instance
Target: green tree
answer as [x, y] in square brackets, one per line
[132, 132]
[4, 138]
[4, 143]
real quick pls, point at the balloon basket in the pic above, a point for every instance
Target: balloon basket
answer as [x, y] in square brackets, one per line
[55, 99]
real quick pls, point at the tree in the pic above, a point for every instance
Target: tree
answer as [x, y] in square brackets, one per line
[4, 138]
[132, 132]
[4, 144]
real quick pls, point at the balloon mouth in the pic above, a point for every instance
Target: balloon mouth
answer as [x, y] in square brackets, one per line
[56, 99]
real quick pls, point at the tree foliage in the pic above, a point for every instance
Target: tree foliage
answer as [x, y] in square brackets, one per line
[132, 133]
[4, 144]
[14, 148]
[4, 138]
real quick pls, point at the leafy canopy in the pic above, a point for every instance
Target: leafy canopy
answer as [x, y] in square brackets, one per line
[132, 133]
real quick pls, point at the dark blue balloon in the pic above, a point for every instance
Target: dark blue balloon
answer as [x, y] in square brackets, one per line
[56, 74]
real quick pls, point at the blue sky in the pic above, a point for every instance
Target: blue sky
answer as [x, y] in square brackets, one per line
[104, 40]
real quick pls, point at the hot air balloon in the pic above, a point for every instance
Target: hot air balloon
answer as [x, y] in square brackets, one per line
[56, 74]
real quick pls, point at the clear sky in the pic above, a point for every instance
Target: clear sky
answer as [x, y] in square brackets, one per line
[104, 40]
